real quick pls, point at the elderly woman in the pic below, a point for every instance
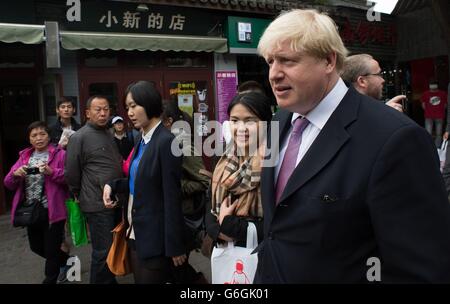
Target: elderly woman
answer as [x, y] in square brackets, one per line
[38, 174]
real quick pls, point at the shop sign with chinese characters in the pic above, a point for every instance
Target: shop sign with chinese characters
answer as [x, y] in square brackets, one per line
[125, 17]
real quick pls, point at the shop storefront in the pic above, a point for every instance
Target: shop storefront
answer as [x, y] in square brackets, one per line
[243, 38]
[100, 47]
[119, 43]
[243, 34]
[21, 57]
[422, 51]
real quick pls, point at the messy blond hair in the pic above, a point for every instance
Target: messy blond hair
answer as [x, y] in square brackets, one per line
[307, 30]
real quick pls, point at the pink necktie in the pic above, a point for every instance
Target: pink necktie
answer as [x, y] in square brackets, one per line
[290, 157]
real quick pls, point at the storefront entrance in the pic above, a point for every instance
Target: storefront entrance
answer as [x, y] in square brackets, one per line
[19, 105]
[110, 73]
[185, 77]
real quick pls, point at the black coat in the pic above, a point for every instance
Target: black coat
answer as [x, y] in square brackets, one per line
[56, 130]
[369, 186]
[157, 217]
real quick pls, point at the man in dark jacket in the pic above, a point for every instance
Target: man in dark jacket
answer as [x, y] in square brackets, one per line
[65, 109]
[92, 160]
[356, 195]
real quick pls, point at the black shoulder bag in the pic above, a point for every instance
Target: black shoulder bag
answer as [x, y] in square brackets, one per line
[29, 213]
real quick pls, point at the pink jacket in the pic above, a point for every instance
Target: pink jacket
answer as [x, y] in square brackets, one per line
[55, 187]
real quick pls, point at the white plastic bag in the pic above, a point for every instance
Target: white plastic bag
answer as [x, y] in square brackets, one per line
[233, 264]
[442, 152]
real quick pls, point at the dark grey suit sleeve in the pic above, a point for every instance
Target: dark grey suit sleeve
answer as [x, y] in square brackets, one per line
[72, 168]
[409, 209]
[119, 186]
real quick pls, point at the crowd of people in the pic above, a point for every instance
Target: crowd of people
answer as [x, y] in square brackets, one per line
[355, 179]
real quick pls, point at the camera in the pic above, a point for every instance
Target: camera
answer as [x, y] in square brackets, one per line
[32, 170]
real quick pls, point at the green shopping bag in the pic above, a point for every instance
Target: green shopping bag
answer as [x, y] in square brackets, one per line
[77, 223]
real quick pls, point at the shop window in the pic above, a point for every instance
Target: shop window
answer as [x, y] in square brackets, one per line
[186, 60]
[109, 90]
[141, 60]
[251, 67]
[101, 60]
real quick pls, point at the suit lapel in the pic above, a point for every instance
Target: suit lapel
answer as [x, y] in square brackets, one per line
[327, 144]
[268, 173]
[150, 150]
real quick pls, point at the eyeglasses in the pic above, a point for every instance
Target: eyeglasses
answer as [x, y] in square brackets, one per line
[380, 74]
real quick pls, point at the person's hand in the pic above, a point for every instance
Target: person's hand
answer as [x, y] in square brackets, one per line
[20, 172]
[445, 136]
[179, 260]
[107, 197]
[45, 169]
[396, 102]
[226, 208]
[63, 142]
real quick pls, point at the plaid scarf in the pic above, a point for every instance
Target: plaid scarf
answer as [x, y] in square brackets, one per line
[239, 176]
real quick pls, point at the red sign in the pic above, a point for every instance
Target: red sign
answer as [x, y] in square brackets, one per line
[366, 32]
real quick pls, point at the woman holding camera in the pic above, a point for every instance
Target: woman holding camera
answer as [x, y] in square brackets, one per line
[38, 176]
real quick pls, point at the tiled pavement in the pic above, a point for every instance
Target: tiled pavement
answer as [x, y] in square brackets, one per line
[18, 265]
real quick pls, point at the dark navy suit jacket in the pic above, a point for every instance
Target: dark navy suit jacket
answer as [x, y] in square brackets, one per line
[369, 186]
[156, 215]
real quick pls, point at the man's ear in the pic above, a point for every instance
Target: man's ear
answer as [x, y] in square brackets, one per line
[331, 62]
[87, 114]
[361, 82]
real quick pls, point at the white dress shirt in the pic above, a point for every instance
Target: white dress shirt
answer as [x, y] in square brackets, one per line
[317, 117]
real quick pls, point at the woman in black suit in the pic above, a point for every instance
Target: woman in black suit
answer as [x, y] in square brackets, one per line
[154, 216]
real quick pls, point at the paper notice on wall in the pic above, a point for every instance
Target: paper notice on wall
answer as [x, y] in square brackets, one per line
[185, 103]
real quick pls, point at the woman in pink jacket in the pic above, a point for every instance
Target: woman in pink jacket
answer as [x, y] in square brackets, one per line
[39, 174]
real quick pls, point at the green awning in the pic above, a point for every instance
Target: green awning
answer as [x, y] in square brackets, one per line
[25, 33]
[141, 42]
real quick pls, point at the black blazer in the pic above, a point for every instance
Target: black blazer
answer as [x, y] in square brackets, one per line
[369, 186]
[157, 217]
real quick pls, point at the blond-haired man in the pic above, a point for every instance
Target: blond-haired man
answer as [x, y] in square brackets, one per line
[356, 183]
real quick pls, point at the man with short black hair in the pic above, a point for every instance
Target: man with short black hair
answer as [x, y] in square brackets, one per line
[65, 109]
[93, 160]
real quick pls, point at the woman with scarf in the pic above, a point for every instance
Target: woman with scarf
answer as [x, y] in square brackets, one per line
[235, 190]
